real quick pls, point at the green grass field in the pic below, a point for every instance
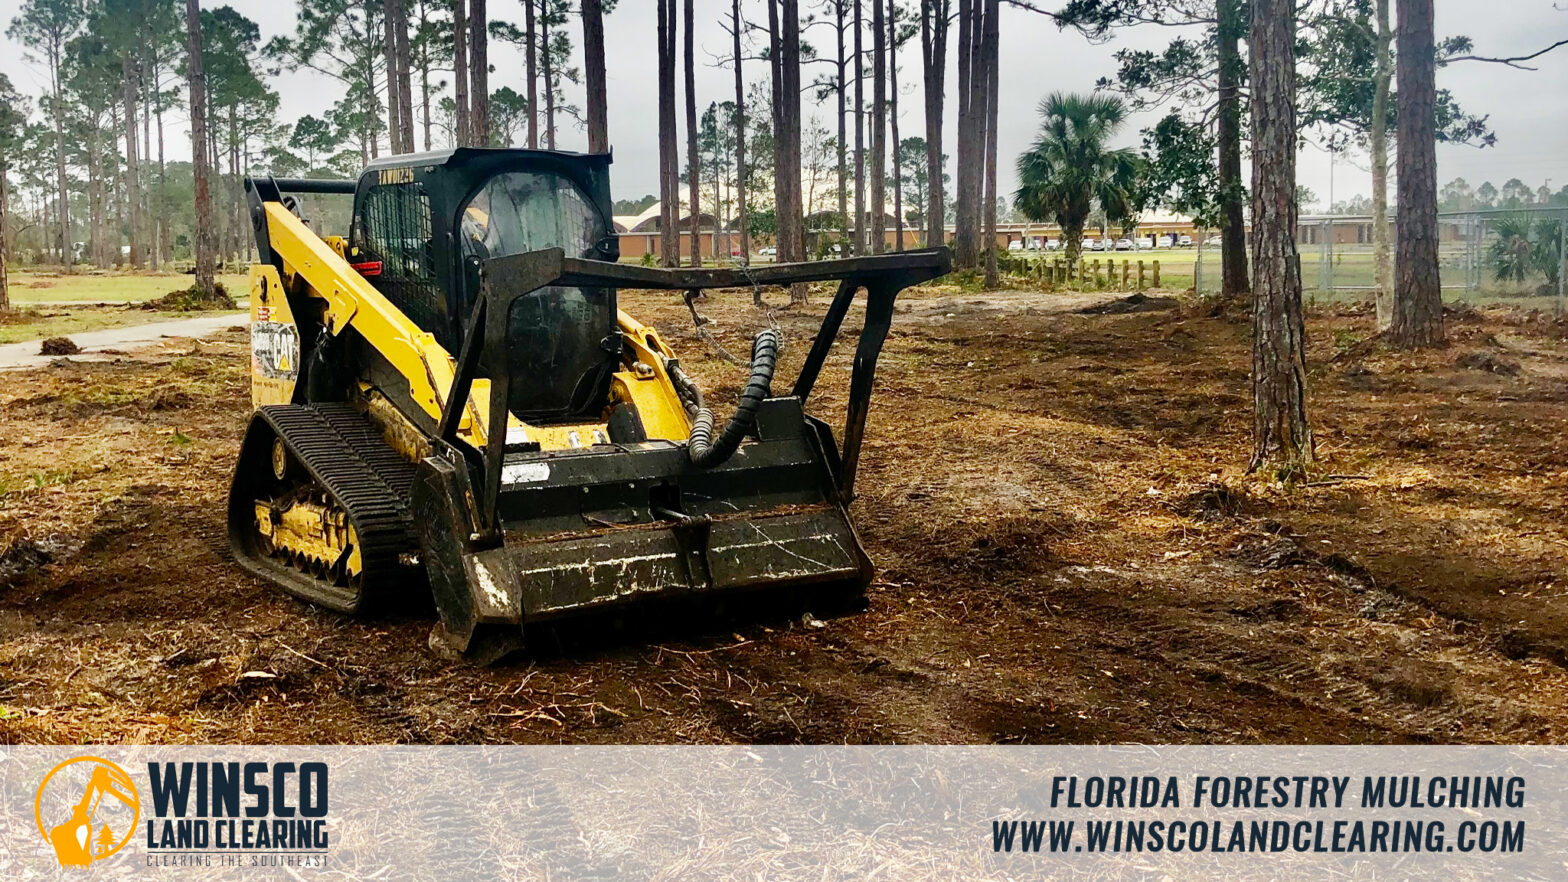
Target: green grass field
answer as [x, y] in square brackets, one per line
[43, 322]
[29, 287]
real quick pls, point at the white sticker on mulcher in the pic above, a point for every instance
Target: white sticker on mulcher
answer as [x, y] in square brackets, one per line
[524, 473]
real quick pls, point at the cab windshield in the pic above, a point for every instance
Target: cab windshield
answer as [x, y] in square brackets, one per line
[560, 341]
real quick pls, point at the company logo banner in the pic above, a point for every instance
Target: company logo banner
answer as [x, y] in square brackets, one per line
[303, 812]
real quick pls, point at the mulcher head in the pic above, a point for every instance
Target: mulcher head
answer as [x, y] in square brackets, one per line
[514, 535]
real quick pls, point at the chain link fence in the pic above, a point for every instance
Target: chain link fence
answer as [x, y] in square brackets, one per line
[1509, 255]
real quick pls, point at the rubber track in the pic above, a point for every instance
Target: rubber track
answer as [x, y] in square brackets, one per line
[345, 453]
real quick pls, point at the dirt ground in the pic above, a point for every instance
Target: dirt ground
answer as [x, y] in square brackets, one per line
[1068, 549]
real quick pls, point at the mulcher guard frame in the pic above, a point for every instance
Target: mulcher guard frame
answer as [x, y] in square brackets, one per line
[513, 535]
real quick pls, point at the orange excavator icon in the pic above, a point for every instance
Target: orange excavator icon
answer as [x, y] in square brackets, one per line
[71, 840]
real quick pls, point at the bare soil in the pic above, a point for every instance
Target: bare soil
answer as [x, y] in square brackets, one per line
[1069, 550]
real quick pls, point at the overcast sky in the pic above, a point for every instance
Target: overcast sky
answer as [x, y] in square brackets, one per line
[1529, 110]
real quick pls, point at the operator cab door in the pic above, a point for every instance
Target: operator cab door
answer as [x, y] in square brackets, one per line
[563, 343]
[395, 246]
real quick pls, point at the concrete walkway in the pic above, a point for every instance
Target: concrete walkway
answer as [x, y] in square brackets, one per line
[15, 356]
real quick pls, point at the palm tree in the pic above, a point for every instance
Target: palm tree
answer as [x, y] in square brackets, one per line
[1070, 170]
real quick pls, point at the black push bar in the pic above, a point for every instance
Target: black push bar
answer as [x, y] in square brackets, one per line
[505, 279]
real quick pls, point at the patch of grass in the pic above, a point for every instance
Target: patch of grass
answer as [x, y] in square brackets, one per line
[180, 439]
[51, 478]
[79, 319]
[101, 286]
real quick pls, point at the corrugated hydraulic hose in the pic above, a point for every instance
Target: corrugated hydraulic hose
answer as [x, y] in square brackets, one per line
[701, 447]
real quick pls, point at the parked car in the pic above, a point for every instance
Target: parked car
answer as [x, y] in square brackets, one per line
[1015, 245]
[1053, 244]
[1168, 240]
[1123, 244]
[768, 251]
[1185, 241]
[1212, 242]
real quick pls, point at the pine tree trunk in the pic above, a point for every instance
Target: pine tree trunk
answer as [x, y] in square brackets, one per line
[133, 197]
[530, 33]
[5, 242]
[669, 186]
[693, 167]
[166, 234]
[841, 23]
[1418, 293]
[62, 212]
[593, 63]
[479, 73]
[389, 54]
[933, 44]
[549, 77]
[966, 218]
[1281, 433]
[1381, 249]
[424, 101]
[991, 56]
[892, 116]
[784, 28]
[740, 141]
[405, 74]
[199, 163]
[460, 65]
[878, 206]
[150, 243]
[860, 136]
[1233, 242]
[118, 184]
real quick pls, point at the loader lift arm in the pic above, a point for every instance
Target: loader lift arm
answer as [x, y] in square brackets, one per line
[506, 279]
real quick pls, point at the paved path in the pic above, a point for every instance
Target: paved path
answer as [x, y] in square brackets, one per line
[25, 354]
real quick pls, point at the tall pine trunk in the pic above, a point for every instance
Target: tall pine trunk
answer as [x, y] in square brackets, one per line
[669, 186]
[62, 212]
[531, 62]
[405, 86]
[479, 73]
[389, 54]
[133, 197]
[892, 117]
[740, 141]
[933, 53]
[549, 79]
[1281, 434]
[165, 234]
[460, 65]
[5, 247]
[965, 234]
[878, 205]
[1383, 260]
[1418, 294]
[693, 166]
[1233, 240]
[784, 30]
[841, 23]
[593, 64]
[199, 154]
[860, 135]
[991, 53]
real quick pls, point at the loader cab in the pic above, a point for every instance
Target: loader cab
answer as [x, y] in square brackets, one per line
[424, 224]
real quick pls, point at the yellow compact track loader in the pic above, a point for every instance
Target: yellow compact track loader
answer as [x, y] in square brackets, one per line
[449, 397]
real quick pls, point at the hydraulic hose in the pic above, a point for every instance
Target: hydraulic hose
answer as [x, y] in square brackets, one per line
[706, 452]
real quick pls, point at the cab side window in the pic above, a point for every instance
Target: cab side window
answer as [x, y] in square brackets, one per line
[393, 228]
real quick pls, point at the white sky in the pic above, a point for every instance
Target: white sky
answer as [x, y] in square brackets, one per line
[1529, 110]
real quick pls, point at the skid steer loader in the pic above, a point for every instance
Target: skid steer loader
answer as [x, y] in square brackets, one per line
[450, 397]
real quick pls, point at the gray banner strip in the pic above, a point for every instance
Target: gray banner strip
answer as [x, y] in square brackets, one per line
[815, 813]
